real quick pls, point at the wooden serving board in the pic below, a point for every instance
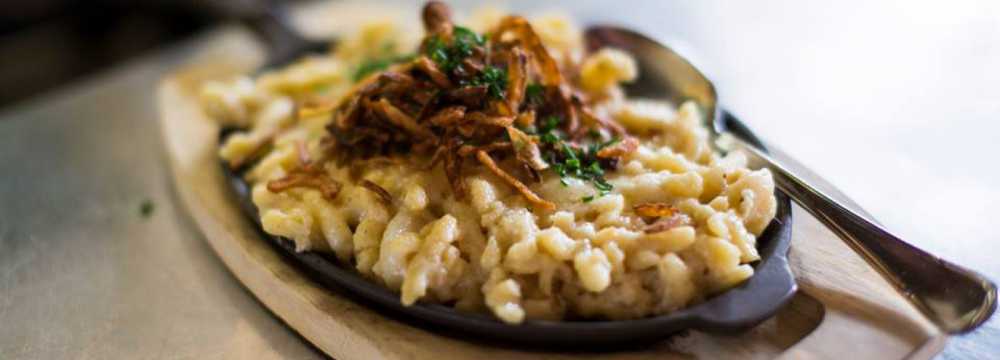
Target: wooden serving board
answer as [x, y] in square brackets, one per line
[843, 310]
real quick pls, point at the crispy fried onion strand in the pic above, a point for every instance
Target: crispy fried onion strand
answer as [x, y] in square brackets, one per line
[382, 194]
[529, 195]
[309, 177]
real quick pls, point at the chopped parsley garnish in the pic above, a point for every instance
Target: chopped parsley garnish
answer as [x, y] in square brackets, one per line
[571, 161]
[495, 80]
[437, 50]
[587, 199]
[465, 39]
[550, 123]
[534, 93]
[146, 208]
[449, 56]
[574, 162]
[378, 64]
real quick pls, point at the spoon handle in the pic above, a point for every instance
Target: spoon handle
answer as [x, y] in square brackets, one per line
[953, 297]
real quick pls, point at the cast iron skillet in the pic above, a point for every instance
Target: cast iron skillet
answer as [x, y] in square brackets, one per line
[737, 309]
[732, 311]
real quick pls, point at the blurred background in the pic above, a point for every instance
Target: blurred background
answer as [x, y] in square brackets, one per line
[46, 43]
[897, 103]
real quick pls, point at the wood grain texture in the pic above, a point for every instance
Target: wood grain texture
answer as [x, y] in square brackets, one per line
[843, 309]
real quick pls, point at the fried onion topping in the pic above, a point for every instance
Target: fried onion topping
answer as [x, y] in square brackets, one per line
[466, 95]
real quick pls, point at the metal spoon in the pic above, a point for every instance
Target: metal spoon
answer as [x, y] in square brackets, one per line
[955, 298]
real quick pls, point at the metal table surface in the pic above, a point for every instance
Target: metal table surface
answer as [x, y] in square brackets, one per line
[896, 104]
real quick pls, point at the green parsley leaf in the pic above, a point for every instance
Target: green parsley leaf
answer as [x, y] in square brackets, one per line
[465, 36]
[569, 152]
[571, 161]
[609, 143]
[550, 123]
[495, 80]
[534, 92]
[587, 199]
[449, 56]
[603, 185]
[595, 168]
[146, 208]
[437, 51]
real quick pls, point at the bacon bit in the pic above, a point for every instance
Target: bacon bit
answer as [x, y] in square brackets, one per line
[667, 223]
[529, 195]
[655, 209]
[383, 195]
[399, 118]
[428, 67]
[448, 116]
[622, 148]
[307, 176]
